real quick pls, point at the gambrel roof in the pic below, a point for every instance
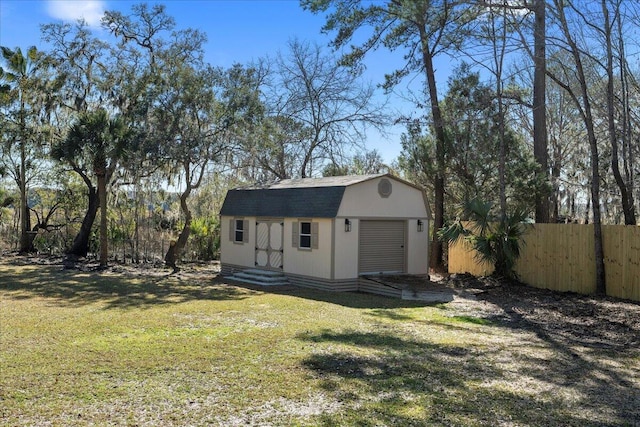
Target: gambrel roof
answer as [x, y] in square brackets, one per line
[302, 197]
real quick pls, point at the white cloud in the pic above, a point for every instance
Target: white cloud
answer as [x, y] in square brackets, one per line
[72, 10]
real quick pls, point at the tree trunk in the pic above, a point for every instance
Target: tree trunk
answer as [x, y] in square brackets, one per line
[539, 107]
[556, 170]
[626, 194]
[499, 63]
[572, 206]
[438, 125]
[583, 102]
[102, 196]
[587, 211]
[601, 284]
[176, 248]
[31, 237]
[627, 137]
[80, 246]
[136, 230]
[26, 241]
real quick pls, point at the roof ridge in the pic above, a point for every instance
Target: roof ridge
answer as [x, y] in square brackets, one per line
[310, 182]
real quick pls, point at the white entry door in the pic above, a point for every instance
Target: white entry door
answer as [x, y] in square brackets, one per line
[269, 250]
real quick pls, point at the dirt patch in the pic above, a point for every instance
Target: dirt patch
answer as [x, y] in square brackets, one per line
[158, 269]
[566, 318]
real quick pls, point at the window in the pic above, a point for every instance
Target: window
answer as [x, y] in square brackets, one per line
[305, 235]
[239, 230]
[384, 188]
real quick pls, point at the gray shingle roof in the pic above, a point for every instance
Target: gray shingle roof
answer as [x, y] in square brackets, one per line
[329, 181]
[304, 197]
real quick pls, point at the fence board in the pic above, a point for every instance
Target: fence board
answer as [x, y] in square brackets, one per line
[561, 257]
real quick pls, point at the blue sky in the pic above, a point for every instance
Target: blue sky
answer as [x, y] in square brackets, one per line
[237, 30]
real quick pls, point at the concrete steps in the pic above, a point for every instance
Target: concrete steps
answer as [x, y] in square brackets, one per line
[255, 276]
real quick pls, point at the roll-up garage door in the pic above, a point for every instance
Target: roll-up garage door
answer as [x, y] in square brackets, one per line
[381, 247]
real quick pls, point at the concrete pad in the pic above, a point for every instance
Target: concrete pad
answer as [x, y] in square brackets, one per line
[427, 296]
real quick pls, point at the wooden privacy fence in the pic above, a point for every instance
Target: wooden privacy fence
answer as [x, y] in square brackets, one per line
[561, 257]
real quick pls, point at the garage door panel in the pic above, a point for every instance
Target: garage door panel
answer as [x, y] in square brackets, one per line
[381, 247]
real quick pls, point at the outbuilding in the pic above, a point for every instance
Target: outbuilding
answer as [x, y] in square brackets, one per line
[332, 233]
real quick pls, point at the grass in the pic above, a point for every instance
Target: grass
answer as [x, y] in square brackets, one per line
[82, 348]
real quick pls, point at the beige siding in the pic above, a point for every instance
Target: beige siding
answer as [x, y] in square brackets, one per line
[237, 253]
[346, 249]
[363, 201]
[417, 247]
[308, 262]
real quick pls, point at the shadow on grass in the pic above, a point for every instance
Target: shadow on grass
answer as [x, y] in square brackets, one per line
[591, 363]
[391, 380]
[592, 339]
[73, 287]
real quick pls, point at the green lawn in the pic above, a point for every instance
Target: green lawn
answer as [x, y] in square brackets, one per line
[87, 348]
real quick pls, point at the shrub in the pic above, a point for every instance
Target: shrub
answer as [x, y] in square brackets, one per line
[205, 238]
[496, 239]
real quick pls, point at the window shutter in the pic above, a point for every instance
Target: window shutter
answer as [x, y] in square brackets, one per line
[295, 235]
[232, 230]
[245, 231]
[314, 235]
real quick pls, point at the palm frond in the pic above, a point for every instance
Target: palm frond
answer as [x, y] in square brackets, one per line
[453, 233]
[479, 213]
[496, 241]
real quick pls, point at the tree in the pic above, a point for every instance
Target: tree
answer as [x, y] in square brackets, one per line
[45, 204]
[579, 93]
[82, 66]
[478, 143]
[142, 37]
[566, 136]
[497, 29]
[188, 121]
[120, 78]
[485, 158]
[369, 162]
[190, 111]
[27, 93]
[425, 29]
[276, 150]
[315, 111]
[540, 140]
[191, 124]
[625, 184]
[92, 148]
[538, 55]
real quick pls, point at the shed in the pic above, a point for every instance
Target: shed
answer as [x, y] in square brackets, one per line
[332, 233]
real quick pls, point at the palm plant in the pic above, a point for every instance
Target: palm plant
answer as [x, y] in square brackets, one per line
[94, 145]
[497, 240]
[19, 87]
